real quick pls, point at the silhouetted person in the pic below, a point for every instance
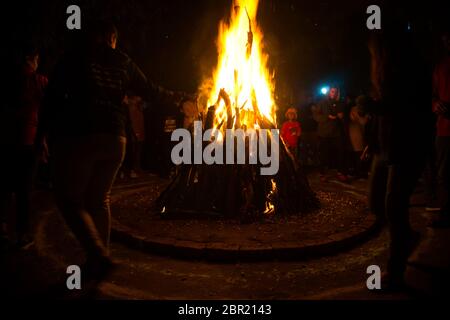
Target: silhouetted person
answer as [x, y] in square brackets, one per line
[131, 167]
[441, 107]
[85, 118]
[401, 88]
[18, 132]
[329, 116]
[309, 140]
[358, 119]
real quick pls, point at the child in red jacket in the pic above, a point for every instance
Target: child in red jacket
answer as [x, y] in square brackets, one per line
[291, 131]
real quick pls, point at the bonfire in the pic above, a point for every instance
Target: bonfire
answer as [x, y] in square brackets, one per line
[239, 95]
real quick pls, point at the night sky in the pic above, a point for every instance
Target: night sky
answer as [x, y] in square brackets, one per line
[309, 42]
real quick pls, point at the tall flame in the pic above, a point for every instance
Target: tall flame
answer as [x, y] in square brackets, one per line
[242, 68]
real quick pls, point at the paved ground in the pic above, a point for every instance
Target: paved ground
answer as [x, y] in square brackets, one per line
[341, 222]
[143, 276]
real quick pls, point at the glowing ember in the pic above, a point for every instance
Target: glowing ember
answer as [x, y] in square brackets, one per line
[242, 70]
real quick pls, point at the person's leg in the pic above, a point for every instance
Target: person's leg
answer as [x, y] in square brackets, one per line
[132, 148]
[377, 188]
[339, 149]
[25, 175]
[320, 149]
[127, 166]
[443, 175]
[293, 151]
[5, 187]
[139, 148]
[402, 179]
[332, 159]
[303, 148]
[359, 170]
[353, 166]
[351, 163]
[324, 155]
[74, 160]
[105, 169]
[4, 238]
[430, 179]
[365, 167]
[340, 154]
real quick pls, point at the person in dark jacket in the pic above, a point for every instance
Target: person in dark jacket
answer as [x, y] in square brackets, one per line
[19, 122]
[401, 81]
[332, 149]
[86, 120]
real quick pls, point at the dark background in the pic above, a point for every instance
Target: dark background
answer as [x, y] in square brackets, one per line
[310, 43]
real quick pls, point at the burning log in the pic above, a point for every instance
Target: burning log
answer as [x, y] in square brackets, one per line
[250, 36]
[238, 191]
[240, 99]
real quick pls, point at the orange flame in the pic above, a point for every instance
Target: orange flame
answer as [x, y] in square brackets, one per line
[242, 68]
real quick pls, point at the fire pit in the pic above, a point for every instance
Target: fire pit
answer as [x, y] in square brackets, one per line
[239, 96]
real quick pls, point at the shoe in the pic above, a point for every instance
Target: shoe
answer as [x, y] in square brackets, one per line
[393, 280]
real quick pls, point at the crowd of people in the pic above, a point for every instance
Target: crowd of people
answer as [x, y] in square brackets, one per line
[394, 136]
[79, 115]
[80, 120]
[330, 134]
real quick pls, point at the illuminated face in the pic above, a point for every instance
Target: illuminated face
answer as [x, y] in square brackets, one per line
[291, 116]
[333, 93]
